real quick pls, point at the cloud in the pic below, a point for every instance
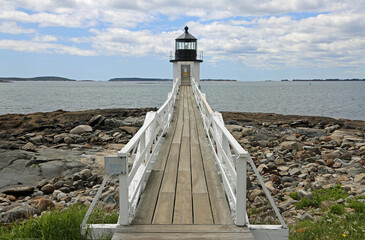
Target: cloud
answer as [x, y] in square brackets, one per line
[13, 28]
[41, 47]
[265, 34]
[45, 38]
[120, 41]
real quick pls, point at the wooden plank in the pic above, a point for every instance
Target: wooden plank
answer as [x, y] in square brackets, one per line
[202, 209]
[182, 236]
[183, 211]
[184, 161]
[169, 178]
[179, 124]
[182, 232]
[197, 170]
[199, 184]
[219, 205]
[164, 208]
[148, 201]
[218, 200]
[146, 206]
[166, 199]
[183, 228]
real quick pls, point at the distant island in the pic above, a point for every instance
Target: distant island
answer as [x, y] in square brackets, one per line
[136, 79]
[324, 80]
[163, 79]
[130, 79]
[218, 80]
[45, 78]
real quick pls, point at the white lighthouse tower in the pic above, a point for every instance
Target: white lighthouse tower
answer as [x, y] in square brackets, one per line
[186, 65]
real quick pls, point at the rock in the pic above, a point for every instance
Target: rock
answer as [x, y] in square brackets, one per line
[68, 140]
[76, 177]
[93, 178]
[29, 147]
[48, 188]
[234, 128]
[65, 189]
[291, 145]
[286, 179]
[85, 174]
[332, 128]
[254, 193]
[20, 191]
[356, 170]
[359, 178]
[81, 129]
[109, 199]
[330, 162]
[312, 149]
[52, 169]
[11, 198]
[306, 216]
[129, 129]
[294, 171]
[279, 161]
[42, 183]
[332, 155]
[42, 204]
[17, 211]
[247, 132]
[37, 139]
[262, 168]
[60, 196]
[96, 120]
[79, 184]
[304, 194]
[132, 121]
[14, 171]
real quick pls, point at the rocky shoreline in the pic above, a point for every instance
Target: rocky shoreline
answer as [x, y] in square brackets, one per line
[299, 154]
[55, 159]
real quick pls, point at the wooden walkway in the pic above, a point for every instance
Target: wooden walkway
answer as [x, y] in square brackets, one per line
[184, 198]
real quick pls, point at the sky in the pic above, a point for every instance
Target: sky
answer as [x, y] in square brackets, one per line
[246, 40]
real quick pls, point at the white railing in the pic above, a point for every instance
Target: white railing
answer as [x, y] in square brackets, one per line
[232, 161]
[132, 164]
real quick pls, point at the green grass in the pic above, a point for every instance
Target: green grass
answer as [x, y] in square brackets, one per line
[294, 195]
[336, 223]
[321, 195]
[331, 226]
[358, 206]
[57, 224]
[337, 209]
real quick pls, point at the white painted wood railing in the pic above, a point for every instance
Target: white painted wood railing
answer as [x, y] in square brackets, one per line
[232, 161]
[132, 164]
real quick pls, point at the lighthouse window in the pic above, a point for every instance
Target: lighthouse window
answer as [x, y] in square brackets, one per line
[186, 45]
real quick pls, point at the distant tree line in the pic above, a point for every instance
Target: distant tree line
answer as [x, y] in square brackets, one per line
[329, 79]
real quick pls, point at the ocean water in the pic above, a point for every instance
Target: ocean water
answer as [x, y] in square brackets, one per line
[332, 99]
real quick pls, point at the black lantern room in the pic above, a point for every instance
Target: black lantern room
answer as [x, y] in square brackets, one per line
[185, 47]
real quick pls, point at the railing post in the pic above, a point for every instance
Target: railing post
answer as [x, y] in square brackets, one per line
[241, 189]
[123, 194]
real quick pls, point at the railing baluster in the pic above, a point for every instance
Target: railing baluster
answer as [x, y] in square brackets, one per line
[241, 190]
[124, 194]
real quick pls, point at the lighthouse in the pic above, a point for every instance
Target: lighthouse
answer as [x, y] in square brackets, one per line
[186, 65]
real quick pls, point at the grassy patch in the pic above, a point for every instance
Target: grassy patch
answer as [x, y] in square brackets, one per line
[294, 195]
[331, 226]
[57, 224]
[337, 209]
[358, 206]
[321, 195]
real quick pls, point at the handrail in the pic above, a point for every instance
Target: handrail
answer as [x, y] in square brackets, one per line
[134, 160]
[232, 161]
